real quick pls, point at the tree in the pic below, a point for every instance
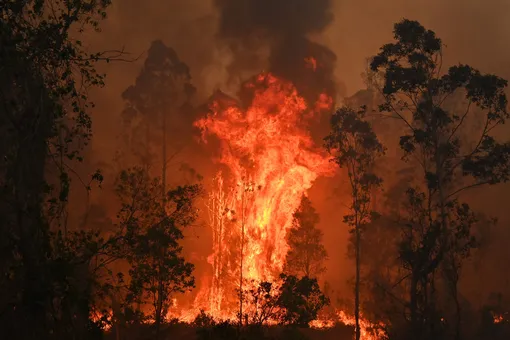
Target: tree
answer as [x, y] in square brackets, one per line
[355, 147]
[43, 81]
[439, 111]
[158, 101]
[246, 188]
[306, 253]
[301, 300]
[263, 300]
[153, 228]
[288, 301]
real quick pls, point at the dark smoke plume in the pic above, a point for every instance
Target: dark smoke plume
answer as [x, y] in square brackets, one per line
[282, 29]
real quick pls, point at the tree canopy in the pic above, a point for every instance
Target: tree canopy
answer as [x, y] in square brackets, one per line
[449, 117]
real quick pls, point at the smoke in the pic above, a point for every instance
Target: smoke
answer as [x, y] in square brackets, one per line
[276, 36]
[226, 41]
[474, 31]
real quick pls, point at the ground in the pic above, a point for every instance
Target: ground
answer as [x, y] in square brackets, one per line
[189, 332]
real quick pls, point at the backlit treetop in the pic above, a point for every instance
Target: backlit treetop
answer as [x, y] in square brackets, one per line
[307, 254]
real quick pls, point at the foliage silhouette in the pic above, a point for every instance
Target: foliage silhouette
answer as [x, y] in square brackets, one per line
[44, 79]
[157, 107]
[355, 147]
[439, 111]
[306, 253]
[153, 228]
[301, 299]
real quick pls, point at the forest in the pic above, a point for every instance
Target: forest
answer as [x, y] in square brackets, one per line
[266, 203]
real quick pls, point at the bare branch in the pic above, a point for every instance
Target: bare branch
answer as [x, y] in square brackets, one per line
[471, 186]
[460, 122]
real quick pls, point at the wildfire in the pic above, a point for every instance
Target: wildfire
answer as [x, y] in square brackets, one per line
[498, 318]
[103, 318]
[368, 330]
[270, 162]
[325, 102]
[311, 62]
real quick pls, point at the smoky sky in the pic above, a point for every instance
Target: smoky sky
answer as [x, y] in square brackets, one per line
[243, 18]
[276, 33]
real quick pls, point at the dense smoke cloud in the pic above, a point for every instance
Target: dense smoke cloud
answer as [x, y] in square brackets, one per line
[276, 35]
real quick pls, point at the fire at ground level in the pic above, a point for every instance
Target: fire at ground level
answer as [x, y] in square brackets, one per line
[269, 162]
[184, 331]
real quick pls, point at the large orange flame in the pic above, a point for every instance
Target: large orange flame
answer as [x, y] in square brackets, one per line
[270, 162]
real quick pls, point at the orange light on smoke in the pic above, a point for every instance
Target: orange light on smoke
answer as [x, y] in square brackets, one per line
[311, 62]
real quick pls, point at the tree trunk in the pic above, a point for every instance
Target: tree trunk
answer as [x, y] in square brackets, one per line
[117, 315]
[159, 308]
[117, 331]
[357, 302]
[163, 170]
[147, 160]
[23, 190]
[414, 304]
[458, 316]
[242, 259]
[452, 277]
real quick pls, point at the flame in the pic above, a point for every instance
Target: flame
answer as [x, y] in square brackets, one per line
[368, 330]
[498, 318]
[104, 318]
[270, 161]
[324, 102]
[311, 62]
